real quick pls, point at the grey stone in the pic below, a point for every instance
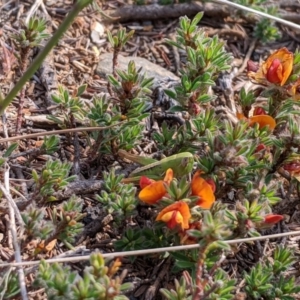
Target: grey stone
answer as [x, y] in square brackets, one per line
[159, 73]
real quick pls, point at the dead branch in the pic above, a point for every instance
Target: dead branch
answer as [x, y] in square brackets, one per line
[79, 188]
[153, 12]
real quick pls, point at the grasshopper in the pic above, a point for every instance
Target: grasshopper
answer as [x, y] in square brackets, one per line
[181, 164]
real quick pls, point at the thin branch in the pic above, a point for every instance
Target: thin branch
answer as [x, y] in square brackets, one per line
[4, 283]
[38, 134]
[153, 12]
[12, 204]
[13, 230]
[149, 251]
[247, 57]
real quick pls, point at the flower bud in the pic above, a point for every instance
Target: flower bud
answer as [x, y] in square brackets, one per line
[274, 72]
[273, 219]
[194, 109]
[292, 167]
[259, 111]
[252, 66]
[260, 147]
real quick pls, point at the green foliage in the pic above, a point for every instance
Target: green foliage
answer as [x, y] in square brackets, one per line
[65, 220]
[206, 58]
[54, 177]
[9, 284]
[265, 29]
[213, 229]
[141, 238]
[118, 41]
[246, 99]
[117, 199]
[9, 150]
[50, 145]
[63, 223]
[7, 153]
[240, 158]
[220, 287]
[266, 279]
[70, 107]
[181, 291]
[32, 34]
[187, 137]
[34, 223]
[133, 90]
[97, 281]
[123, 136]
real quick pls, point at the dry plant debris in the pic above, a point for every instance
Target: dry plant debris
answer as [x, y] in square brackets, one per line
[72, 193]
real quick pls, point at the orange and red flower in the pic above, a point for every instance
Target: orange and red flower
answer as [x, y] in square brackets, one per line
[276, 69]
[152, 191]
[204, 190]
[176, 214]
[262, 120]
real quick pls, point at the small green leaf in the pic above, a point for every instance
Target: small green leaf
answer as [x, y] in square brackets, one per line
[81, 90]
[10, 149]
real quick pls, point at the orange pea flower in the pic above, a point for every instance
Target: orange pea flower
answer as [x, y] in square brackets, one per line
[262, 120]
[204, 190]
[176, 214]
[276, 69]
[152, 191]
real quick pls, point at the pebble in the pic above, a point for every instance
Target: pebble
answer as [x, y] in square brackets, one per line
[97, 31]
[159, 73]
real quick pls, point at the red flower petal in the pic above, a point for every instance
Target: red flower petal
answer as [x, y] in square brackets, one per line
[260, 147]
[272, 219]
[144, 181]
[292, 167]
[274, 73]
[258, 111]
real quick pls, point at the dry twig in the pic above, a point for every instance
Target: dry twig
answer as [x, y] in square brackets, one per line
[14, 212]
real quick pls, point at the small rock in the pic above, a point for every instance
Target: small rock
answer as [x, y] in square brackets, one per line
[159, 73]
[97, 31]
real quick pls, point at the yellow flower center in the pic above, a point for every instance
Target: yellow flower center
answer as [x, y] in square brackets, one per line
[172, 218]
[167, 216]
